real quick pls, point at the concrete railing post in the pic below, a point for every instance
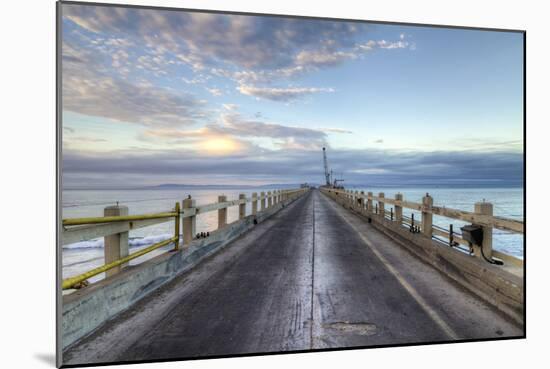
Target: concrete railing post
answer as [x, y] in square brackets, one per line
[381, 209]
[485, 208]
[269, 199]
[427, 216]
[369, 202]
[398, 209]
[189, 223]
[254, 203]
[262, 201]
[116, 245]
[222, 213]
[242, 207]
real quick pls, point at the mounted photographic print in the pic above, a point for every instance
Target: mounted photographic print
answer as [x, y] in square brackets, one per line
[243, 184]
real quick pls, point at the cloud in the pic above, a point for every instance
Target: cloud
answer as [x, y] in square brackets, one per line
[336, 130]
[323, 58]
[234, 126]
[280, 94]
[214, 91]
[245, 41]
[230, 107]
[119, 100]
[383, 44]
[89, 89]
[254, 52]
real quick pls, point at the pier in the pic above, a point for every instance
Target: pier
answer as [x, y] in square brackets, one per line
[307, 269]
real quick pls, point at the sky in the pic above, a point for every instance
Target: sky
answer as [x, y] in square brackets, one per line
[152, 97]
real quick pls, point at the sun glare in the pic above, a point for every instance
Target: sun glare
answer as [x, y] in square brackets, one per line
[219, 146]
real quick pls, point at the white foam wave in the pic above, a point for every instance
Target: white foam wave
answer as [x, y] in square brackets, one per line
[133, 242]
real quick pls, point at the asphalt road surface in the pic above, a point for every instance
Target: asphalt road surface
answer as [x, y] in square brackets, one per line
[313, 276]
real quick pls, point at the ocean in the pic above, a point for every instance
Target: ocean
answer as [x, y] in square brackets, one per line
[83, 256]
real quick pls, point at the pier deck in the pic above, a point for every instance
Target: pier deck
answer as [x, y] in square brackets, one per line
[313, 276]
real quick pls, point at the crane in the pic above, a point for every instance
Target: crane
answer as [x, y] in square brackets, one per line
[327, 174]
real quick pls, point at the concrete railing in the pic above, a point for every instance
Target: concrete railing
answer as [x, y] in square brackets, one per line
[482, 216]
[115, 225]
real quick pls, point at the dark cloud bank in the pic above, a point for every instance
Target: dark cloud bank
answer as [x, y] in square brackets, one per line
[358, 167]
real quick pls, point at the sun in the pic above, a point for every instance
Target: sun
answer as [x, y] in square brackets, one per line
[219, 146]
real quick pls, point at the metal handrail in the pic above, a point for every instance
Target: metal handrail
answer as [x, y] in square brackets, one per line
[70, 282]
[120, 218]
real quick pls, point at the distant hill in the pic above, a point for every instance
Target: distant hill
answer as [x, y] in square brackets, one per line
[174, 186]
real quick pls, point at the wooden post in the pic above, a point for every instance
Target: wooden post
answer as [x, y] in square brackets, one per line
[398, 209]
[115, 245]
[242, 207]
[189, 223]
[269, 199]
[485, 208]
[222, 213]
[262, 201]
[361, 201]
[381, 209]
[369, 202]
[254, 203]
[427, 217]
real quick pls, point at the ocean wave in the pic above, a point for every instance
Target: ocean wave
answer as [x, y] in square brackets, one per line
[132, 241]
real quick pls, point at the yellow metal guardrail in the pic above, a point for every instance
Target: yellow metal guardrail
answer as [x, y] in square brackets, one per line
[72, 281]
[110, 219]
[177, 214]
